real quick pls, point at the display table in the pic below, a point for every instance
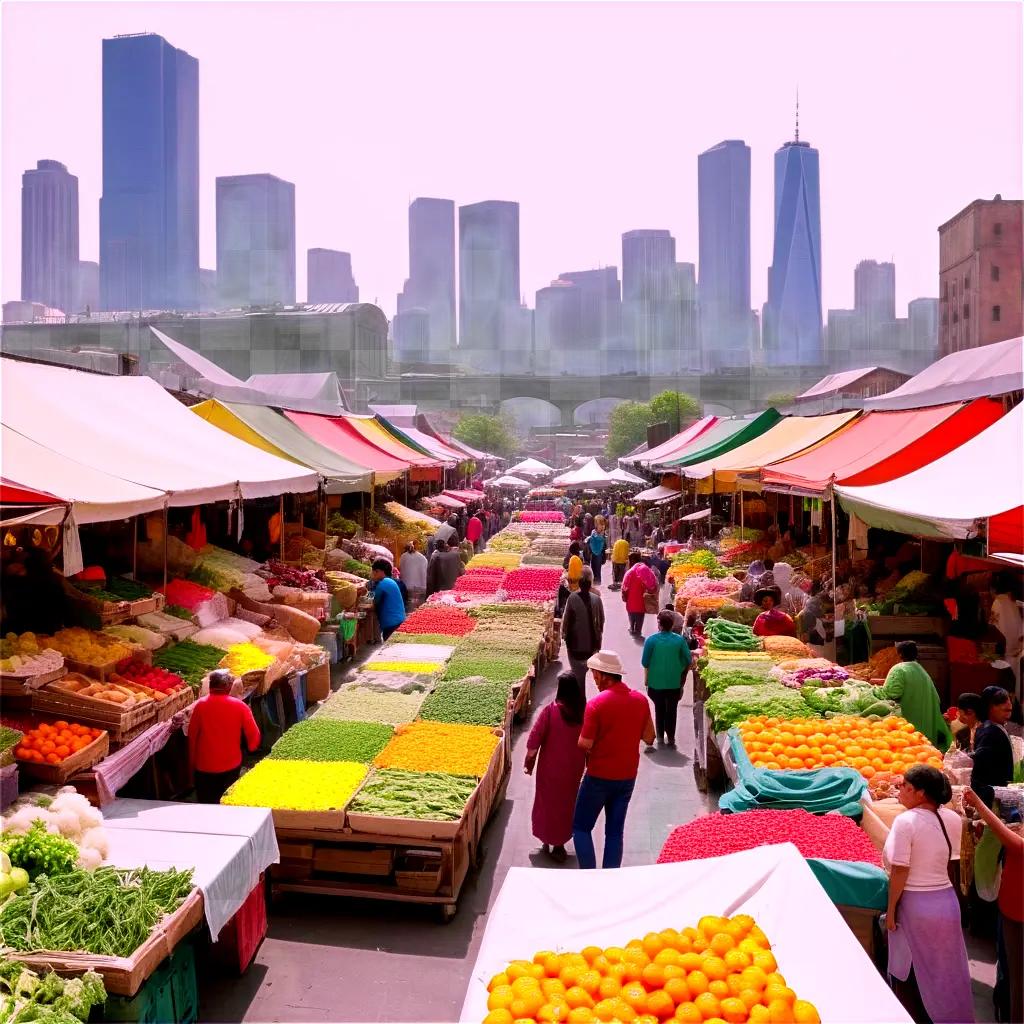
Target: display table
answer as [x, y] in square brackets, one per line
[820, 957]
[229, 848]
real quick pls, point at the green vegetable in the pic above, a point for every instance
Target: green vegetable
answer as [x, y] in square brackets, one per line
[730, 636]
[361, 704]
[108, 911]
[9, 737]
[178, 612]
[477, 703]
[356, 568]
[51, 999]
[189, 660]
[738, 703]
[431, 796]
[40, 852]
[491, 664]
[326, 739]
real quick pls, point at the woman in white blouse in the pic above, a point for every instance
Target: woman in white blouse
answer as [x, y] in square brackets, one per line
[926, 943]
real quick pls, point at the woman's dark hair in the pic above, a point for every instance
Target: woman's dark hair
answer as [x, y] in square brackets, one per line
[585, 584]
[634, 557]
[569, 698]
[930, 781]
[574, 548]
[993, 695]
[381, 565]
[769, 564]
[666, 620]
[907, 650]
[971, 702]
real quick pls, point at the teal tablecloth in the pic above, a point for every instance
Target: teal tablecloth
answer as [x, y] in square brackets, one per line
[852, 883]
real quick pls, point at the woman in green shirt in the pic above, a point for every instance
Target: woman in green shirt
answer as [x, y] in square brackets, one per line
[666, 660]
[912, 688]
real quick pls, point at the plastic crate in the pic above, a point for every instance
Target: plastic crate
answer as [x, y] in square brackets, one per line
[169, 994]
[238, 943]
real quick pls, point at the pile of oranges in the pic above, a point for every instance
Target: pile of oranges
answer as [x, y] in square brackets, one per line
[889, 745]
[52, 743]
[721, 972]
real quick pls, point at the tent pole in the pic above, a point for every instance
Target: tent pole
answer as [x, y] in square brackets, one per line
[280, 539]
[165, 547]
[135, 546]
[741, 516]
[832, 493]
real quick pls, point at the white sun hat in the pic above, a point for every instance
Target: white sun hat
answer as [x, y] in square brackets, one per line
[606, 661]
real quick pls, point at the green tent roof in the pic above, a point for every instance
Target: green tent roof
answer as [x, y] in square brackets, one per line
[726, 435]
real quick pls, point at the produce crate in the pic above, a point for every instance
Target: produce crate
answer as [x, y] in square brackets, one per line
[101, 672]
[124, 976]
[16, 686]
[169, 994]
[169, 708]
[241, 937]
[98, 713]
[420, 871]
[314, 821]
[902, 626]
[58, 774]
[354, 861]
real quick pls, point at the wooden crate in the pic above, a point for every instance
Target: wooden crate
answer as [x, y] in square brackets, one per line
[58, 774]
[426, 882]
[124, 976]
[862, 923]
[100, 714]
[18, 686]
[169, 708]
[347, 860]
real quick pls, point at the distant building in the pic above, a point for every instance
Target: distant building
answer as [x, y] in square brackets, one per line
[843, 338]
[874, 294]
[255, 240]
[488, 280]
[792, 314]
[411, 336]
[149, 210]
[349, 339]
[87, 286]
[49, 235]
[723, 290]
[843, 390]
[23, 311]
[648, 287]
[329, 276]
[577, 319]
[980, 275]
[431, 282]
[923, 315]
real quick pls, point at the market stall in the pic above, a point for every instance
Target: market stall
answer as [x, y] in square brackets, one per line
[552, 910]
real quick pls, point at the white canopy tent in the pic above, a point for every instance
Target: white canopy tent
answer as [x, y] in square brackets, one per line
[622, 476]
[506, 481]
[131, 429]
[589, 475]
[658, 493]
[531, 467]
[950, 497]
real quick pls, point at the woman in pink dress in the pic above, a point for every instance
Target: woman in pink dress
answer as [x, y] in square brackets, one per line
[554, 738]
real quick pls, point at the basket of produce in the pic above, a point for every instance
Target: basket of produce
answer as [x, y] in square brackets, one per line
[190, 661]
[25, 663]
[119, 706]
[414, 805]
[90, 653]
[9, 740]
[53, 752]
[170, 691]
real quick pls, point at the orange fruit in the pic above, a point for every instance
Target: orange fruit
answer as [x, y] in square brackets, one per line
[581, 1015]
[653, 977]
[690, 961]
[589, 981]
[774, 991]
[525, 984]
[498, 979]
[711, 925]
[805, 1012]
[500, 998]
[636, 995]
[553, 1012]
[669, 956]
[623, 1011]
[737, 960]
[527, 1006]
[661, 1005]
[677, 990]
[765, 960]
[687, 1013]
[517, 969]
[759, 1014]
[608, 989]
[734, 1011]
[577, 996]
[697, 983]
[709, 1005]
[715, 969]
[653, 944]
[722, 943]
[551, 962]
[591, 953]
[615, 954]
[499, 1017]
[750, 998]
[605, 1010]
[780, 1012]
[568, 976]
[552, 987]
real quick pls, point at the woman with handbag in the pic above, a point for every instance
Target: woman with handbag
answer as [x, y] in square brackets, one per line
[640, 593]
[927, 955]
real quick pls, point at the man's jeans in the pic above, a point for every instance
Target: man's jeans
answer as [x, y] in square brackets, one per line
[596, 795]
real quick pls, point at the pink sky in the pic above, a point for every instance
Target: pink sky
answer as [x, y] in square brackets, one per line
[590, 115]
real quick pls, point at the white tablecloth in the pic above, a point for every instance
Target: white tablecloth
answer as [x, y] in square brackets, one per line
[227, 847]
[568, 910]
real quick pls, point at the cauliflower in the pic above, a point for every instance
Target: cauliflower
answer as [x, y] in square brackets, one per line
[95, 839]
[89, 858]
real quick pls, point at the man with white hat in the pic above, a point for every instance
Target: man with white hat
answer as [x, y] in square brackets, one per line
[615, 723]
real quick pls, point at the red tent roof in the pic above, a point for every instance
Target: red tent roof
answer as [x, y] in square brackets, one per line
[882, 446]
[14, 494]
[334, 432]
[676, 443]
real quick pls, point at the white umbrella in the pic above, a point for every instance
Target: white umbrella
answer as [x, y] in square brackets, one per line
[590, 475]
[507, 481]
[531, 467]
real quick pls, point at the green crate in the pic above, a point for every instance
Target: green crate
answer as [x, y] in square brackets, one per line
[168, 996]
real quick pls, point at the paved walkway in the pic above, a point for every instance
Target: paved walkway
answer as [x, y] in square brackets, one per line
[348, 960]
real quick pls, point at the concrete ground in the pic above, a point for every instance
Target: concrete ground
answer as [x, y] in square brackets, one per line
[349, 960]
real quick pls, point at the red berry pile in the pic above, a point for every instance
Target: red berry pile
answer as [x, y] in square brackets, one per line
[438, 620]
[150, 675]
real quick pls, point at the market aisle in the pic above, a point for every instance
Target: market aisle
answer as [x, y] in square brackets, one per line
[343, 960]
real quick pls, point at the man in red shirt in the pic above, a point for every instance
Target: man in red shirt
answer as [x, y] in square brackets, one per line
[614, 724]
[216, 729]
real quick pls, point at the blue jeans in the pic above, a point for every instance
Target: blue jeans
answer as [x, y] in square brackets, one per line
[596, 795]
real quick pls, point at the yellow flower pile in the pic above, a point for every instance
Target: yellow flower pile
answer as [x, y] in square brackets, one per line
[242, 658]
[439, 747]
[411, 668]
[495, 560]
[297, 785]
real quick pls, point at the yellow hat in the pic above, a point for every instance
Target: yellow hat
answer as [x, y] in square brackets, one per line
[575, 567]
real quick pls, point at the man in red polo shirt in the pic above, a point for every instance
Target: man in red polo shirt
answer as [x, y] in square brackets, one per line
[615, 722]
[216, 729]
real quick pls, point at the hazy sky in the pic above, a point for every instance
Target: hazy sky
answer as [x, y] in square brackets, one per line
[590, 115]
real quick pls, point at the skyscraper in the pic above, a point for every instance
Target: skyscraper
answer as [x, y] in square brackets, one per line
[792, 314]
[87, 286]
[648, 286]
[329, 276]
[255, 240]
[49, 235]
[923, 315]
[874, 295]
[149, 210]
[488, 279]
[431, 283]
[723, 200]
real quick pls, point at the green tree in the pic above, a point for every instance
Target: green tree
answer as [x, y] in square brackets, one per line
[491, 434]
[627, 427]
[780, 398]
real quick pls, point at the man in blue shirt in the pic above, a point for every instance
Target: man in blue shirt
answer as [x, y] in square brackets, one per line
[387, 598]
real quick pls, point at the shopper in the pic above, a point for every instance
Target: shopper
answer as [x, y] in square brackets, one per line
[446, 531]
[218, 725]
[993, 752]
[678, 619]
[387, 598]
[1006, 616]
[596, 544]
[554, 739]
[666, 660]
[475, 532]
[637, 584]
[582, 629]
[772, 621]
[444, 568]
[912, 688]
[970, 713]
[927, 955]
[1011, 909]
[615, 723]
[620, 559]
[413, 567]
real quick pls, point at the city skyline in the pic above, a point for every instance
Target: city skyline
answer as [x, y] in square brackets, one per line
[910, 195]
